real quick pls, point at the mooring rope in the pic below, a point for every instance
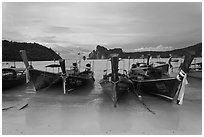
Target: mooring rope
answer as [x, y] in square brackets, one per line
[140, 98]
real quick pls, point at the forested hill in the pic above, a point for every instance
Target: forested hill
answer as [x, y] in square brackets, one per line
[35, 51]
[104, 53]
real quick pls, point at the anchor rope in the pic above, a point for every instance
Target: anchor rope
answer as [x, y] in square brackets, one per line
[142, 101]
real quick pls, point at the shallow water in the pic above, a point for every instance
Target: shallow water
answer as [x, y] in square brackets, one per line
[90, 111]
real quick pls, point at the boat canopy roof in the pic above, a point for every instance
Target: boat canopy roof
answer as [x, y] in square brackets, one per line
[160, 62]
[14, 69]
[53, 66]
[199, 63]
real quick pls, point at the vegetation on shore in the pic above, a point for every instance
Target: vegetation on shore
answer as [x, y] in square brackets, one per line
[35, 51]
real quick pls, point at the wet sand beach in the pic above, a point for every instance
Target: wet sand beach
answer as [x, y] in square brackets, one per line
[90, 111]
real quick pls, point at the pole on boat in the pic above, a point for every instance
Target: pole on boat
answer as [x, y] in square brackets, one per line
[64, 75]
[79, 62]
[143, 58]
[170, 69]
[128, 62]
[25, 60]
[93, 66]
[148, 59]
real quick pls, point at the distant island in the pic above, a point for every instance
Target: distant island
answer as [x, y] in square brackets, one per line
[35, 51]
[104, 53]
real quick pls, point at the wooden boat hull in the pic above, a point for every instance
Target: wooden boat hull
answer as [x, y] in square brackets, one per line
[7, 84]
[195, 74]
[166, 88]
[78, 81]
[43, 79]
[164, 68]
[115, 91]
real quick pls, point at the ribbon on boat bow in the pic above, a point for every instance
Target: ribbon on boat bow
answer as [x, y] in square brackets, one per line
[182, 76]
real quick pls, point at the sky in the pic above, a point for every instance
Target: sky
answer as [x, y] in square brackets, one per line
[132, 26]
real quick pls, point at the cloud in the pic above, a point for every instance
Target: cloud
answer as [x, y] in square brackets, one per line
[15, 35]
[57, 29]
[116, 24]
[71, 52]
[157, 48]
[45, 39]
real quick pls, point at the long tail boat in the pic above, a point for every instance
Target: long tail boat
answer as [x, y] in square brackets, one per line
[158, 83]
[163, 66]
[74, 78]
[69, 78]
[40, 79]
[13, 77]
[115, 84]
[195, 70]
